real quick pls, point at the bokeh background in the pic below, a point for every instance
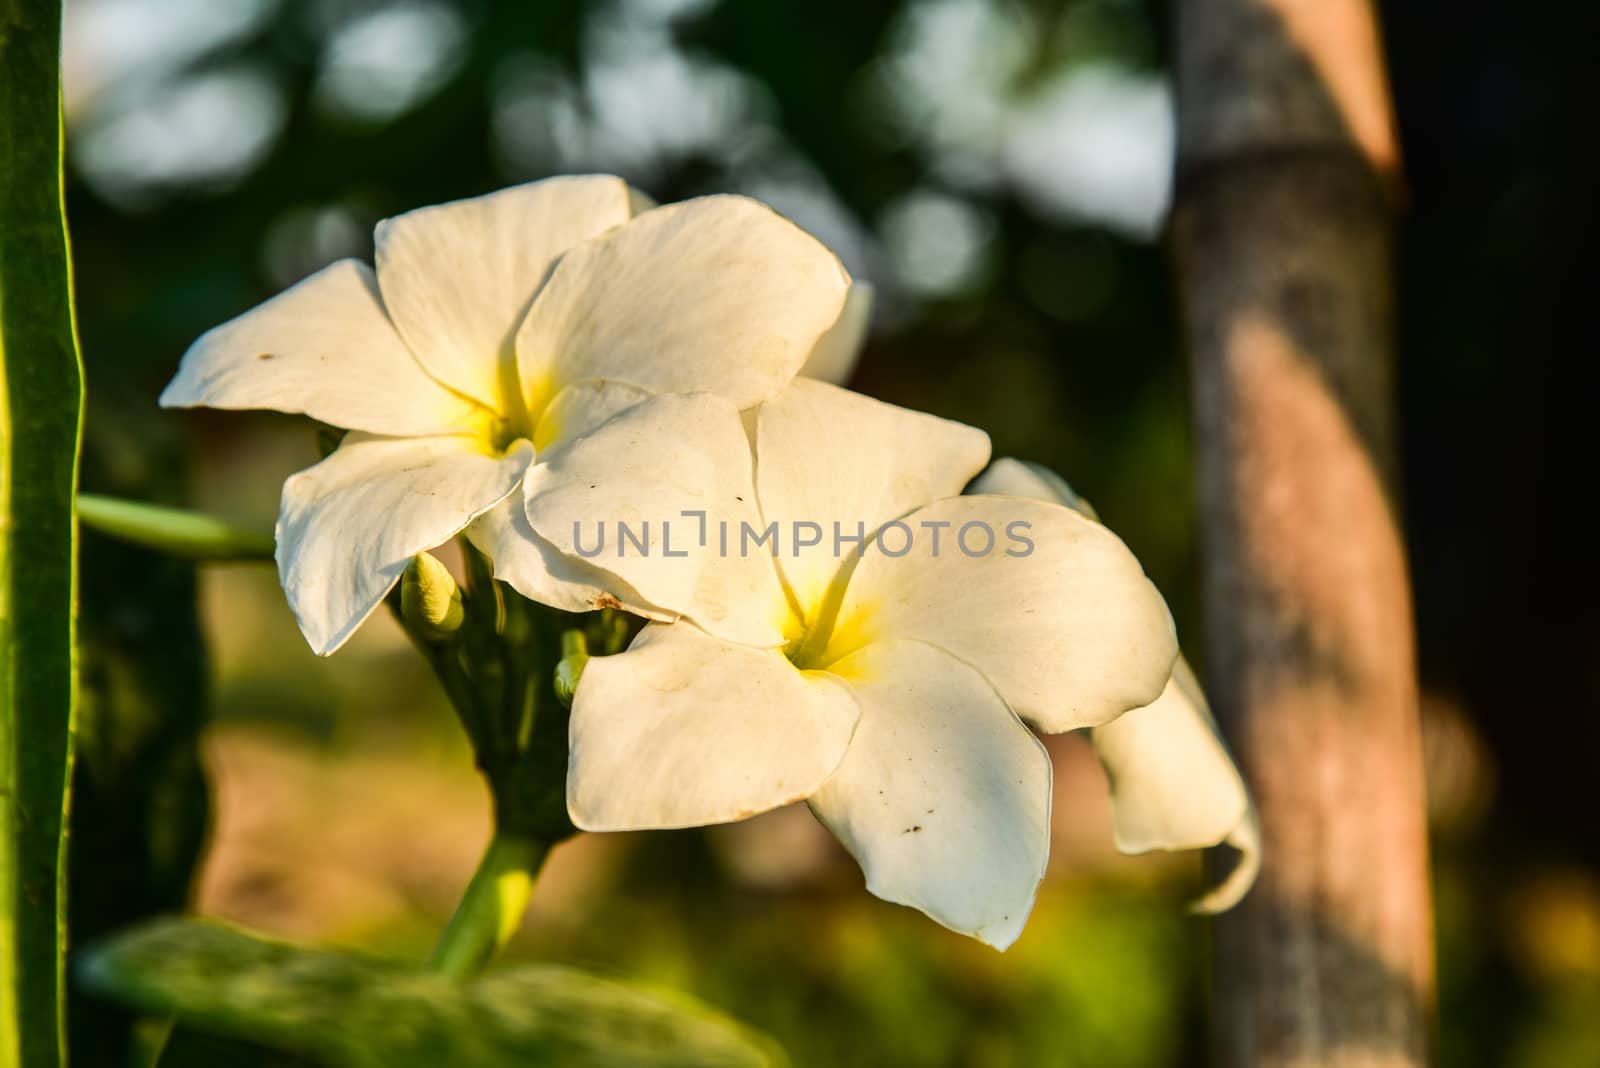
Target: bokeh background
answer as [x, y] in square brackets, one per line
[1000, 170]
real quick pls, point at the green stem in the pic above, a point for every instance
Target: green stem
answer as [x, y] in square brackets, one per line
[492, 908]
[172, 530]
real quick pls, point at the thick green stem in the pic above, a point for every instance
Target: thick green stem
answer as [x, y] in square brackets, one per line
[492, 908]
[41, 393]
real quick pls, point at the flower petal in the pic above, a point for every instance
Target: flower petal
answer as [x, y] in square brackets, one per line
[1057, 614]
[656, 468]
[582, 407]
[1173, 785]
[1245, 839]
[826, 456]
[323, 347]
[541, 572]
[718, 294]
[944, 796]
[683, 730]
[836, 353]
[349, 525]
[1008, 477]
[458, 277]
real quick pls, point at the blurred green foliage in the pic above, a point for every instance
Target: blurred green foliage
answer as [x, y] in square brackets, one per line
[139, 804]
[995, 167]
[1103, 978]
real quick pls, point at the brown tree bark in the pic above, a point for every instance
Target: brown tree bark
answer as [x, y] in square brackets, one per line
[1281, 232]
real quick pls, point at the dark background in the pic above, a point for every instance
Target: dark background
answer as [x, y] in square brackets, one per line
[219, 152]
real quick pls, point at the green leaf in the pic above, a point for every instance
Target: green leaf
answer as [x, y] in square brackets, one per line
[40, 402]
[353, 1012]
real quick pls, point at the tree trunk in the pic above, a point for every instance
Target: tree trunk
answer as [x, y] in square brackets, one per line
[1282, 238]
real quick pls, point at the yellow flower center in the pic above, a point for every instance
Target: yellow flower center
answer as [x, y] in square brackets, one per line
[818, 632]
[520, 413]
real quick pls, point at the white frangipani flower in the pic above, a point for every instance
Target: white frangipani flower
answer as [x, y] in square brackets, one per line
[839, 350]
[495, 332]
[885, 688]
[1173, 784]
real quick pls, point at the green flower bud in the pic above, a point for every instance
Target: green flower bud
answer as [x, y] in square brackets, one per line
[574, 656]
[430, 600]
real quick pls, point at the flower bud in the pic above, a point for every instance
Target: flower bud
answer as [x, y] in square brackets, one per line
[430, 600]
[574, 656]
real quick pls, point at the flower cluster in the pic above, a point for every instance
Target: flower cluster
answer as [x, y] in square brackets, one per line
[565, 356]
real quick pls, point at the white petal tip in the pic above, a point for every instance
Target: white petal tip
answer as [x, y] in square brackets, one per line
[178, 394]
[324, 645]
[1246, 840]
[583, 820]
[325, 642]
[998, 934]
[1001, 940]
